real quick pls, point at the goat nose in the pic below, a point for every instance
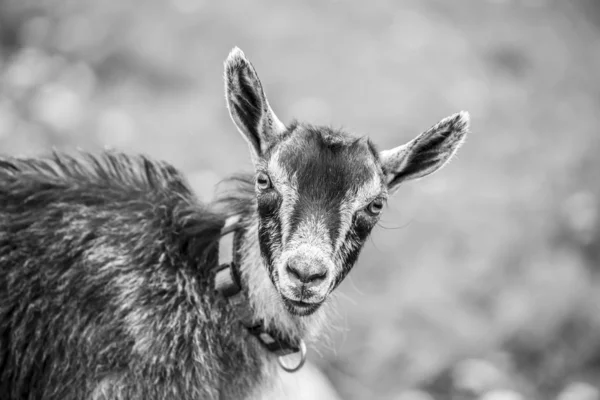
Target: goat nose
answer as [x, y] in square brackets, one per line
[307, 275]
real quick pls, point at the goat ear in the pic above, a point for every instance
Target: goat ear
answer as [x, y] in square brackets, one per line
[248, 105]
[426, 153]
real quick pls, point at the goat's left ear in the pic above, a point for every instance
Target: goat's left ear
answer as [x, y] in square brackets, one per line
[427, 153]
[248, 105]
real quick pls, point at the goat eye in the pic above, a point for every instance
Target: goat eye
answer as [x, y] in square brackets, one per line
[262, 181]
[375, 207]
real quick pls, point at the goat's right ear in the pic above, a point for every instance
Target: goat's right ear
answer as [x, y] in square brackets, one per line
[426, 153]
[248, 105]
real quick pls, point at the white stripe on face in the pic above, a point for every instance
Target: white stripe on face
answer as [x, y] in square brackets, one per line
[313, 232]
[354, 201]
[288, 189]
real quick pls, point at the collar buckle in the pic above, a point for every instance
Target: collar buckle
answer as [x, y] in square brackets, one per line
[302, 351]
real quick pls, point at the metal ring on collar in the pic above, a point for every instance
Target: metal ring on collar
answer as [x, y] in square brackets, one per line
[300, 364]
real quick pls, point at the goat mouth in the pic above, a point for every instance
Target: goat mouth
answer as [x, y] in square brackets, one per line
[300, 308]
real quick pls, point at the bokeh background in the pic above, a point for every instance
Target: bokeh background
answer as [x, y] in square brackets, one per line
[482, 281]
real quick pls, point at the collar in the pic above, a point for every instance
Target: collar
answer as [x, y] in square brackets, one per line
[227, 282]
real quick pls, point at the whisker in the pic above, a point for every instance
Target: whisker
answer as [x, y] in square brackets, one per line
[380, 225]
[347, 298]
[356, 289]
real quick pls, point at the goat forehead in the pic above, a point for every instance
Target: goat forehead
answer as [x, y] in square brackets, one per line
[326, 167]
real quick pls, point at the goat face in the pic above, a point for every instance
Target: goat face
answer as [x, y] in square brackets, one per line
[319, 194]
[319, 191]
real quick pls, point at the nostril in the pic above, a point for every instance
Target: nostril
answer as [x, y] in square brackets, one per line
[316, 278]
[294, 273]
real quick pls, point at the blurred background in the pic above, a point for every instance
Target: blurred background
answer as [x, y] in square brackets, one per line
[482, 281]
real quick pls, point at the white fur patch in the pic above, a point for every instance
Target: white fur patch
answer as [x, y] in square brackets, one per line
[288, 189]
[107, 388]
[350, 205]
[355, 201]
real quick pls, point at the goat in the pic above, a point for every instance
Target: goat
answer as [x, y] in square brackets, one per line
[108, 278]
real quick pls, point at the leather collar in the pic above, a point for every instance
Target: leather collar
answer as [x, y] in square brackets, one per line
[227, 282]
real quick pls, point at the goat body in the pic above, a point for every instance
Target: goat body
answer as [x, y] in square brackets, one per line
[104, 285]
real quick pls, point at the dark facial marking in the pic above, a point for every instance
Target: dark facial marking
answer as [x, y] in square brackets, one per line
[269, 227]
[356, 237]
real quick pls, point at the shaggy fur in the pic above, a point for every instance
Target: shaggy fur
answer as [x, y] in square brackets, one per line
[104, 291]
